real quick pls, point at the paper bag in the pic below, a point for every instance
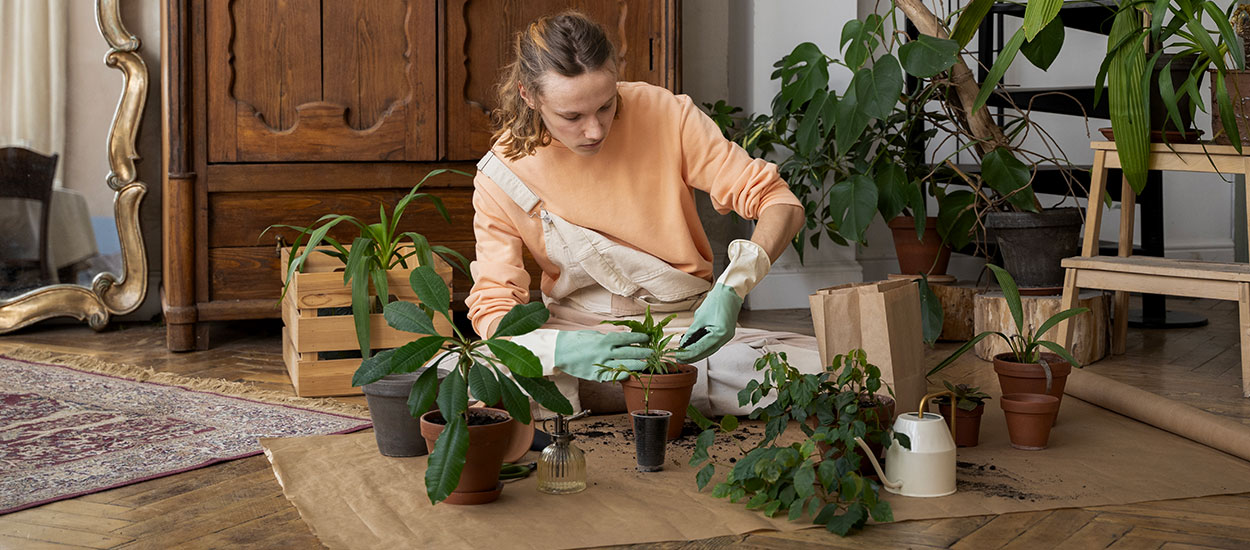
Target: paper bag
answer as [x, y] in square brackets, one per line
[883, 319]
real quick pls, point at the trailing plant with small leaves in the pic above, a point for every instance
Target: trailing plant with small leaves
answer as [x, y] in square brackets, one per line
[1026, 343]
[661, 360]
[966, 397]
[478, 367]
[814, 477]
[381, 246]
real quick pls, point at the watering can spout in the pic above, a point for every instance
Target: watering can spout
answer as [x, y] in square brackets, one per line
[890, 484]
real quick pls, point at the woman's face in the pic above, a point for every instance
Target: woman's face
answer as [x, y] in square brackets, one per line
[578, 110]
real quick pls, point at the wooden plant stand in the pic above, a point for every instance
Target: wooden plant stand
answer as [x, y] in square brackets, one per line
[318, 322]
[1126, 273]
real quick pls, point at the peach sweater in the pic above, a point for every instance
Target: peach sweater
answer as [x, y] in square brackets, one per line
[637, 190]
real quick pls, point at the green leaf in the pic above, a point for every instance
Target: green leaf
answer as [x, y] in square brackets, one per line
[514, 401]
[970, 20]
[447, 459]
[841, 525]
[483, 384]
[859, 39]
[858, 195]
[893, 188]
[1012, 295]
[701, 421]
[850, 121]
[522, 319]
[1004, 173]
[411, 356]
[430, 288]
[1038, 14]
[1130, 115]
[956, 217]
[1042, 49]
[373, 369]
[1005, 57]
[927, 56]
[546, 394]
[518, 358]
[361, 307]
[1056, 319]
[408, 317]
[1060, 351]
[881, 512]
[808, 135]
[805, 479]
[930, 312]
[701, 445]
[453, 396]
[878, 88]
[1228, 117]
[704, 475]
[423, 393]
[729, 423]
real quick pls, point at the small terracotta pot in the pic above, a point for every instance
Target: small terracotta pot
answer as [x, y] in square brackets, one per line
[967, 424]
[929, 256]
[479, 481]
[1029, 418]
[650, 439]
[669, 392]
[1016, 377]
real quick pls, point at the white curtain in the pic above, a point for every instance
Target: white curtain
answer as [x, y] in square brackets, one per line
[32, 75]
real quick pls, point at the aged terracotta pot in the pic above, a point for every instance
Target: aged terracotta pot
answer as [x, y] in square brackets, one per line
[669, 392]
[929, 256]
[1016, 377]
[967, 424]
[479, 481]
[1029, 418]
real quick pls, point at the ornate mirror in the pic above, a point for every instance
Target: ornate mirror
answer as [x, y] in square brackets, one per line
[82, 263]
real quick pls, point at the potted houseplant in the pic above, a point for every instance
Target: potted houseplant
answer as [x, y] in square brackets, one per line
[813, 477]
[1026, 371]
[467, 445]
[650, 425]
[969, 407]
[663, 383]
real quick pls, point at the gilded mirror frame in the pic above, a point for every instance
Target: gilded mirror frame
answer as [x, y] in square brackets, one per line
[110, 294]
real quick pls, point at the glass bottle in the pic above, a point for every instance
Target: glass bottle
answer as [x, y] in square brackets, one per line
[562, 466]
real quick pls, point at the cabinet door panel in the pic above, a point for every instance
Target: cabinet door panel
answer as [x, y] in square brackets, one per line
[313, 80]
[480, 40]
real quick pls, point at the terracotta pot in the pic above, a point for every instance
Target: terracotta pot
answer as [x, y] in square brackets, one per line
[929, 256]
[967, 424]
[1016, 377]
[1029, 418]
[650, 438]
[885, 417]
[479, 481]
[669, 392]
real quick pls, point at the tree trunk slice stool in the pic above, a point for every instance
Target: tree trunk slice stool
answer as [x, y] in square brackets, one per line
[1126, 273]
[1090, 332]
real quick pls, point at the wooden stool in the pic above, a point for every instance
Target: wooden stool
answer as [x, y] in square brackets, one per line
[1126, 273]
[1090, 331]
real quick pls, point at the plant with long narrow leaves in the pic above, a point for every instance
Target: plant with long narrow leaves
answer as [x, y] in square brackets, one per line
[1026, 343]
[494, 369]
[381, 246]
[813, 477]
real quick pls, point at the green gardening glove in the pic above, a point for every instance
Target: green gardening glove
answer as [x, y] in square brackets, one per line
[713, 323]
[580, 352]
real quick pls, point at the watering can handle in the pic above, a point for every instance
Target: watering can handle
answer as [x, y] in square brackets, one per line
[924, 401]
[877, 466]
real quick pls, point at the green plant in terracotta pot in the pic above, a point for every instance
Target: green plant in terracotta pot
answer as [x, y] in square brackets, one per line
[811, 478]
[467, 444]
[969, 406]
[663, 384]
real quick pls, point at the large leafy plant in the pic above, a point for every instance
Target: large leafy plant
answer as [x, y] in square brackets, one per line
[381, 246]
[815, 476]
[477, 366]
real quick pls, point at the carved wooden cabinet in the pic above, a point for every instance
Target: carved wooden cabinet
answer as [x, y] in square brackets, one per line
[281, 111]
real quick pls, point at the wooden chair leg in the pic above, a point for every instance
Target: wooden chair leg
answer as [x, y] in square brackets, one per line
[1093, 208]
[1128, 208]
[1071, 295]
[1243, 307]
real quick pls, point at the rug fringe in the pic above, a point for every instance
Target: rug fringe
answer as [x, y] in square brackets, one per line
[213, 385]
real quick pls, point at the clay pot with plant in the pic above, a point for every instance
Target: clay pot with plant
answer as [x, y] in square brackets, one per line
[663, 384]
[1026, 369]
[467, 445]
[969, 407]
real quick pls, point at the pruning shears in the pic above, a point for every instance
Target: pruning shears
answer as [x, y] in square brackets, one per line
[510, 471]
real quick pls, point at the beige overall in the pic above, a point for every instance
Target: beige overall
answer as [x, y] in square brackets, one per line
[601, 279]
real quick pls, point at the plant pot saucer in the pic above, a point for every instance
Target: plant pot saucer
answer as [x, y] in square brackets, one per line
[476, 497]
[1158, 136]
[933, 279]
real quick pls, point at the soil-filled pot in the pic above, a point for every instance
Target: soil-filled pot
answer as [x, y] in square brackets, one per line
[1238, 85]
[669, 392]
[1033, 244]
[967, 424]
[651, 438]
[490, 432]
[397, 432]
[1016, 377]
[1029, 418]
[929, 256]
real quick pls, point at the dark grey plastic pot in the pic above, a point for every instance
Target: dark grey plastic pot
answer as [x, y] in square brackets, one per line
[396, 431]
[1033, 244]
[650, 438]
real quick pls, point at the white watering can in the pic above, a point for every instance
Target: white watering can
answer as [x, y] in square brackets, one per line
[927, 469]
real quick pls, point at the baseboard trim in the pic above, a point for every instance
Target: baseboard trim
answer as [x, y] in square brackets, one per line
[790, 289]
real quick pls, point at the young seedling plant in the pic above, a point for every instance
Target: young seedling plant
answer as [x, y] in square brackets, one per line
[661, 359]
[479, 366]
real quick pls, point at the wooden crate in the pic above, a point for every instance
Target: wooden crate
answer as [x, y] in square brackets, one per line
[311, 329]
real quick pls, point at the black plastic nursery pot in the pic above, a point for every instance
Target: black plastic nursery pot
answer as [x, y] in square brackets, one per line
[650, 438]
[394, 428]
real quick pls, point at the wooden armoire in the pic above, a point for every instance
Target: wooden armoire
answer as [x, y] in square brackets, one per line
[281, 111]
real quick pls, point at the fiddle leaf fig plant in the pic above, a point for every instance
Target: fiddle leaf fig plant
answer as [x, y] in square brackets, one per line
[494, 369]
[381, 246]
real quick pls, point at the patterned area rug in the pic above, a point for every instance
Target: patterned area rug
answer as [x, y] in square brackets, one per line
[73, 425]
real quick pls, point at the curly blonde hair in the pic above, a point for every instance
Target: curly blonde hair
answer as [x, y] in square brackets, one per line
[570, 44]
